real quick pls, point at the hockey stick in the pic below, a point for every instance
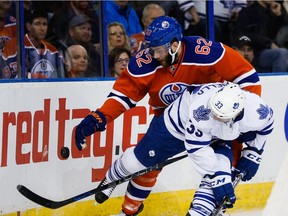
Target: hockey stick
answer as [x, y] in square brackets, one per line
[218, 211]
[58, 204]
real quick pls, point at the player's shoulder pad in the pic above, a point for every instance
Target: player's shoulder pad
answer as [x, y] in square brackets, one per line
[200, 51]
[143, 64]
[257, 108]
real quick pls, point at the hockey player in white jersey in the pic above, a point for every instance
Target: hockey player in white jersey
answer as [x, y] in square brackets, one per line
[203, 114]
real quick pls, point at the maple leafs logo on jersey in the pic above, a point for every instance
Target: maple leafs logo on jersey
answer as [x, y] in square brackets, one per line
[201, 114]
[263, 111]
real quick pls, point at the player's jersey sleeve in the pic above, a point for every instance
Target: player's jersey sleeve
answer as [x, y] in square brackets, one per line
[221, 62]
[243, 73]
[258, 122]
[131, 86]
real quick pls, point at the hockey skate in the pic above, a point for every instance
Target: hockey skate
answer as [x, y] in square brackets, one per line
[102, 196]
[141, 207]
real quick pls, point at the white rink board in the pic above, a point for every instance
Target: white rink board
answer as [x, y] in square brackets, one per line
[38, 118]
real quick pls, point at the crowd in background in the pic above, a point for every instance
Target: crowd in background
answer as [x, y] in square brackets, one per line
[62, 38]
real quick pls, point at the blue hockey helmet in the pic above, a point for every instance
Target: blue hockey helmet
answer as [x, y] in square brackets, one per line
[162, 31]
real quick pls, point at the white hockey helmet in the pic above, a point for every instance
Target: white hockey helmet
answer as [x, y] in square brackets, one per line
[227, 103]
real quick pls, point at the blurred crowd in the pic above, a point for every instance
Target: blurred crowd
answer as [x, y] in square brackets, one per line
[63, 38]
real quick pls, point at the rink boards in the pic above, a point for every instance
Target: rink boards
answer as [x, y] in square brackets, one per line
[40, 118]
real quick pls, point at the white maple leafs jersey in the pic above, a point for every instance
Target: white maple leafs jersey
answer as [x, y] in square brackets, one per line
[190, 120]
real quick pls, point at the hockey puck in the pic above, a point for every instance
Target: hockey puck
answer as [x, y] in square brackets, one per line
[65, 152]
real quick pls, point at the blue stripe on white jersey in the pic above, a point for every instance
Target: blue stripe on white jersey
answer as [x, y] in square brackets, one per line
[179, 122]
[195, 145]
[267, 130]
[173, 122]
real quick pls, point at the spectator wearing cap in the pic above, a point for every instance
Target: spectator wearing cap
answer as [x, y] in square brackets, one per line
[80, 33]
[243, 45]
[42, 60]
[58, 25]
[269, 60]
[261, 22]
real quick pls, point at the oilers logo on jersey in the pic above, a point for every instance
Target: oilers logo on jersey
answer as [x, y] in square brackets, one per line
[42, 69]
[171, 91]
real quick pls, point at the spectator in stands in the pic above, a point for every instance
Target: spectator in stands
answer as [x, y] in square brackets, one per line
[117, 36]
[190, 14]
[76, 61]
[58, 25]
[149, 13]
[172, 9]
[42, 60]
[7, 24]
[282, 35]
[261, 22]
[122, 12]
[80, 33]
[225, 13]
[118, 60]
[244, 45]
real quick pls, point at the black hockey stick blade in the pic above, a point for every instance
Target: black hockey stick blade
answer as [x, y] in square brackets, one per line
[218, 211]
[58, 204]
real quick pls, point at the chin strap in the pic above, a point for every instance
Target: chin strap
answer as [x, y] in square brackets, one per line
[173, 55]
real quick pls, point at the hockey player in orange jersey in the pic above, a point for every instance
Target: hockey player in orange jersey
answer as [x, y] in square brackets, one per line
[163, 70]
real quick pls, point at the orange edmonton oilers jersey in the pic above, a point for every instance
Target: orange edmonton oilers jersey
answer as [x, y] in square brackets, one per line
[44, 63]
[201, 61]
[8, 32]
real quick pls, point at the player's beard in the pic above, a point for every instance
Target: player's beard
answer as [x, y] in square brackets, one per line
[167, 61]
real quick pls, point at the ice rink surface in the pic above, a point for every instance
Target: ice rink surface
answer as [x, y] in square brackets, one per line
[246, 213]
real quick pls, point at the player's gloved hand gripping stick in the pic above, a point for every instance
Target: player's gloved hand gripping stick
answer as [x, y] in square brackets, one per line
[93, 122]
[248, 163]
[222, 187]
[225, 202]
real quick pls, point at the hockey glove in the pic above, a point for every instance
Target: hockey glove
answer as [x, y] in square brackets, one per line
[222, 188]
[93, 122]
[248, 163]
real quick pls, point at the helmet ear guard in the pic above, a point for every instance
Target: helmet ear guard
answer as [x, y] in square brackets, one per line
[228, 102]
